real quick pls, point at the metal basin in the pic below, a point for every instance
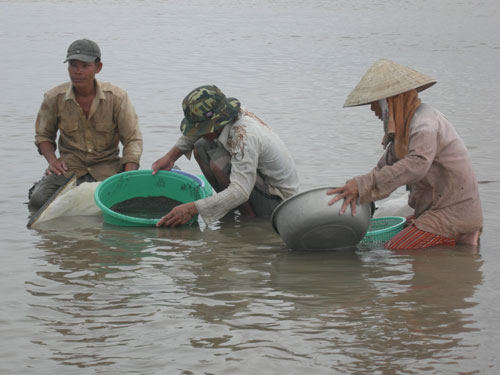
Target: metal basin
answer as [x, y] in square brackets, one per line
[305, 221]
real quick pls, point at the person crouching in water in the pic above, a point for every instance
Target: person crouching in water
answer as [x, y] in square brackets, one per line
[243, 159]
[422, 151]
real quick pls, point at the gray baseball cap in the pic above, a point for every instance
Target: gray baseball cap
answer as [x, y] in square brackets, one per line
[83, 50]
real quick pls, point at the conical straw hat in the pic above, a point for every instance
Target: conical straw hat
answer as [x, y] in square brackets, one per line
[385, 79]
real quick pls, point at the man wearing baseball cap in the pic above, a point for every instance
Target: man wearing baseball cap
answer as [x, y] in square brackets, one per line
[91, 118]
[244, 160]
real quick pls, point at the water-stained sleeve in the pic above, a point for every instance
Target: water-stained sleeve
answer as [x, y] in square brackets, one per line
[46, 125]
[128, 130]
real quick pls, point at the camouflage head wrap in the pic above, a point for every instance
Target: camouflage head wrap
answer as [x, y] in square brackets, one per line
[207, 109]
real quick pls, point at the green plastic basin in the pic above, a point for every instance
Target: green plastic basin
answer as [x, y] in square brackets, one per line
[142, 183]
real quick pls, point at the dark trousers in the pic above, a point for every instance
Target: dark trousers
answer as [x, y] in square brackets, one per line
[42, 190]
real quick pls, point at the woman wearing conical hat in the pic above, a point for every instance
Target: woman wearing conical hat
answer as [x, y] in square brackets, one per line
[422, 151]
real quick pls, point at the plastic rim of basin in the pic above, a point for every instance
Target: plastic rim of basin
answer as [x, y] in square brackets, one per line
[142, 183]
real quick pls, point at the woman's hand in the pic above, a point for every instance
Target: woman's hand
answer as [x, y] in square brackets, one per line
[349, 192]
[178, 215]
[409, 220]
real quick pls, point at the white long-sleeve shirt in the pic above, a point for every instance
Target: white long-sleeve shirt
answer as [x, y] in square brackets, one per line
[253, 147]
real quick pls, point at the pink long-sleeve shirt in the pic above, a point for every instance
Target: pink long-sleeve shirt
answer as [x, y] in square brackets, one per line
[438, 171]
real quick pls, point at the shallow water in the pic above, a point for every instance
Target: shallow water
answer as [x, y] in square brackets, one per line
[80, 296]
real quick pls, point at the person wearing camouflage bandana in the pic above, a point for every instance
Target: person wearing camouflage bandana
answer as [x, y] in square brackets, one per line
[244, 160]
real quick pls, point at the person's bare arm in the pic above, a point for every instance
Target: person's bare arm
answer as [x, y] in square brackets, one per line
[167, 161]
[178, 215]
[56, 165]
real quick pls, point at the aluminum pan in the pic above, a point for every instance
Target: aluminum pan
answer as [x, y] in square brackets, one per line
[305, 221]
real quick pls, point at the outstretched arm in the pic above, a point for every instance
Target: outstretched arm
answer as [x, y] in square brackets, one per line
[178, 215]
[349, 192]
[167, 161]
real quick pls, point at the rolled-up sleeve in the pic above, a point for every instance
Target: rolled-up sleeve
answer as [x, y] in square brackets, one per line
[129, 132]
[46, 122]
[186, 144]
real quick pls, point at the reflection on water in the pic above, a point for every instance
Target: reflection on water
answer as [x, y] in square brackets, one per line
[119, 297]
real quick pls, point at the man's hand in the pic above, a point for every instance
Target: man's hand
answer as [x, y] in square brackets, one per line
[178, 215]
[164, 164]
[349, 192]
[130, 167]
[57, 167]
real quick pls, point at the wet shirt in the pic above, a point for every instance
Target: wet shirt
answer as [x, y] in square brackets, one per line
[91, 145]
[438, 171]
[253, 147]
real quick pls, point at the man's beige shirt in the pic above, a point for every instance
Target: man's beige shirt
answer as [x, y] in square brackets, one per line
[91, 145]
